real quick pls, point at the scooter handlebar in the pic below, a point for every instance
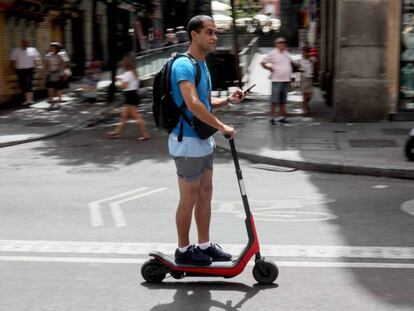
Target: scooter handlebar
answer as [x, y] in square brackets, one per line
[227, 136]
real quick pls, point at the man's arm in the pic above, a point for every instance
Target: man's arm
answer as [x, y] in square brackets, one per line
[266, 66]
[194, 104]
[38, 61]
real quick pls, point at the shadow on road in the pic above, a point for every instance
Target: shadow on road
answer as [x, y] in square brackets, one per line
[191, 294]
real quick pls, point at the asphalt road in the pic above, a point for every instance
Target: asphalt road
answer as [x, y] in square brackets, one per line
[79, 213]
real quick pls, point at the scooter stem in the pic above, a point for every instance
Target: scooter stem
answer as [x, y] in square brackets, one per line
[251, 230]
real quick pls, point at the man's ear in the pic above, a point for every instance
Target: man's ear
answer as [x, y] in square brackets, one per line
[193, 34]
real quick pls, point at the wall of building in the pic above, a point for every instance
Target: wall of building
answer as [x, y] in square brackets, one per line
[12, 30]
[361, 85]
[4, 62]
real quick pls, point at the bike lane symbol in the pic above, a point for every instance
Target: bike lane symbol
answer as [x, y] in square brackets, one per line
[281, 209]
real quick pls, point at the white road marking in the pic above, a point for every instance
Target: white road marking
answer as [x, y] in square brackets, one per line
[95, 207]
[280, 209]
[140, 261]
[302, 251]
[380, 187]
[116, 210]
[408, 207]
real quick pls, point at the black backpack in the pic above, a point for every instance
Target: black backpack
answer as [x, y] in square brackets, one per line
[164, 110]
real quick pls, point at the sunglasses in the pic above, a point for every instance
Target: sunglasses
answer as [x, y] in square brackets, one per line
[281, 42]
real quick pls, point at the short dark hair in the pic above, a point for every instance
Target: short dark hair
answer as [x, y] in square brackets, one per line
[196, 24]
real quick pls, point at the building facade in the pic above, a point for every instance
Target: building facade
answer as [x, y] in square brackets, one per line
[16, 23]
[366, 59]
[81, 26]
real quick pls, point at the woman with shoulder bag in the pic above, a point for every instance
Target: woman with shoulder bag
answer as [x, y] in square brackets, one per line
[54, 66]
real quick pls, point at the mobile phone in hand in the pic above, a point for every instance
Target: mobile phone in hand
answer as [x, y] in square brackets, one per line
[248, 90]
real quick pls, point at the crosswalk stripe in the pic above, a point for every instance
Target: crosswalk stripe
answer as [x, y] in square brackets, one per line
[140, 261]
[299, 251]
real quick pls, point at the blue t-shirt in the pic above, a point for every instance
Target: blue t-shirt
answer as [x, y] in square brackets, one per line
[191, 145]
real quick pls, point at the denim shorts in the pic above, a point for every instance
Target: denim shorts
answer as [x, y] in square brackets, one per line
[279, 92]
[192, 168]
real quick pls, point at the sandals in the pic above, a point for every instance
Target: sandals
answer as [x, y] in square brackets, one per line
[143, 138]
[113, 135]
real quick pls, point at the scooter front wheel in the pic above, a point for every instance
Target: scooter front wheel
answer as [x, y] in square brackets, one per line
[153, 271]
[409, 149]
[265, 271]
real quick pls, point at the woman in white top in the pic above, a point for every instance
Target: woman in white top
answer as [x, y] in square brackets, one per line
[129, 83]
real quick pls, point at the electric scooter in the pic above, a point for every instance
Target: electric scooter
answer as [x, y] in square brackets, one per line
[264, 271]
[409, 146]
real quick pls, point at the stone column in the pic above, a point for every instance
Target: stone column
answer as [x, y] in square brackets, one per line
[361, 87]
[86, 7]
[5, 70]
[393, 52]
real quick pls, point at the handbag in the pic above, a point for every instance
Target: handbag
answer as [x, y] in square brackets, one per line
[202, 129]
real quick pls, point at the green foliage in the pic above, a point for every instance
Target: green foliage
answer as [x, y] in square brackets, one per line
[247, 8]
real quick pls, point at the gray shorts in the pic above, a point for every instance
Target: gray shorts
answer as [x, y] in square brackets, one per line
[279, 92]
[192, 168]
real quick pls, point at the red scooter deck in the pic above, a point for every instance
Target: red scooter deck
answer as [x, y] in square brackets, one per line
[218, 268]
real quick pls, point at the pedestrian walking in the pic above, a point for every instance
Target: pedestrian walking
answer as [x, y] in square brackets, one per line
[306, 79]
[67, 71]
[193, 156]
[54, 67]
[128, 82]
[24, 61]
[279, 63]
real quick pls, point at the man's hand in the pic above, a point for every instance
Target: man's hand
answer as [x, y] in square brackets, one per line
[227, 130]
[237, 97]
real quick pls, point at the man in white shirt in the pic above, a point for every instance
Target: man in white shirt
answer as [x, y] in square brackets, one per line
[24, 60]
[279, 63]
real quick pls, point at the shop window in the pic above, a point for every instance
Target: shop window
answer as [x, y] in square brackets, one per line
[32, 32]
[22, 29]
[407, 57]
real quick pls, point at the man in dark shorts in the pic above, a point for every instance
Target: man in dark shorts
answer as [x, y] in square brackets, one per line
[279, 63]
[194, 156]
[24, 61]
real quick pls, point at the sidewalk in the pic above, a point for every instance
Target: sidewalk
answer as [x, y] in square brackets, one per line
[38, 121]
[312, 143]
[315, 143]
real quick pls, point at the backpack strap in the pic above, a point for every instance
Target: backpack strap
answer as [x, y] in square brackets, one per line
[183, 105]
[198, 69]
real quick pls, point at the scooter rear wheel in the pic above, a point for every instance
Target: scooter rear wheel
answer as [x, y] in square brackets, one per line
[265, 271]
[409, 149]
[153, 271]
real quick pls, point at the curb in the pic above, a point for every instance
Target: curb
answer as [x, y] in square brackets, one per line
[81, 124]
[325, 167]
